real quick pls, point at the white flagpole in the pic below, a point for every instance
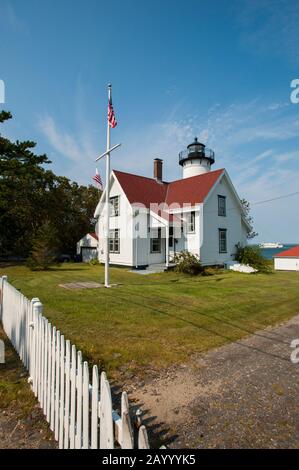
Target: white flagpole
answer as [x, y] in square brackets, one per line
[107, 281]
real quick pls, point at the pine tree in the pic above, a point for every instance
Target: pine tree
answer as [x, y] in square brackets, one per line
[44, 251]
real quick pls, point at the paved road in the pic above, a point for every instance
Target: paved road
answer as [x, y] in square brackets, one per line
[242, 395]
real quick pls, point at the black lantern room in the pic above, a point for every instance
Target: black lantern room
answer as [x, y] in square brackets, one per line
[196, 151]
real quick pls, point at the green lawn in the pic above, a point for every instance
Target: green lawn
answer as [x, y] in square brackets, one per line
[159, 319]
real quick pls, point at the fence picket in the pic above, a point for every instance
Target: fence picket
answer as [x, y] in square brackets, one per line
[57, 385]
[143, 438]
[42, 383]
[94, 408]
[127, 437]
[61, 398]
[67, 394]
[106, 421]
[73, 397]
[26, 334]
[39, 352]
[53, 365]
[49, 347]
[60, 380]
[33, 359]
[45, 374]
[85, 407]
[78, 440]
[21, 329]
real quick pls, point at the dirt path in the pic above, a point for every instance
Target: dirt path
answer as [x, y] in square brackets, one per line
[242, 395]
[22, 424]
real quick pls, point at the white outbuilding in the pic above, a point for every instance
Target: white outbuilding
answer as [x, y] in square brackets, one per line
[287, 260]
[87, 247]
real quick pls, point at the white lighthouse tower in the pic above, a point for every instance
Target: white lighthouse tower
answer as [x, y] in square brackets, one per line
[196, 160]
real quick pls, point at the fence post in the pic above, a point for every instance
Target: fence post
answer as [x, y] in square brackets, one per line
[3, 279]
[36, 309]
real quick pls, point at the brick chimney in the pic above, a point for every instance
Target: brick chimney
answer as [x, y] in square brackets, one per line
[158, 167]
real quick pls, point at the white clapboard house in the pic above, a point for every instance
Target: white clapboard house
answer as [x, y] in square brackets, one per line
[151, 219]
[87, 247]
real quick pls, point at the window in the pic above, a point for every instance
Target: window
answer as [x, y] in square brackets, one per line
[156, 241]
[222, 206]
[170, 241]
[191, 222]
[114, 206]
[222, 240]
[114, 241]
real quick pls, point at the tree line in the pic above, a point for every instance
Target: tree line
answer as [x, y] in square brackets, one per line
[34, 201]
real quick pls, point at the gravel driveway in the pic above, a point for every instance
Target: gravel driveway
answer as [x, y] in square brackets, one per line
[242, 395]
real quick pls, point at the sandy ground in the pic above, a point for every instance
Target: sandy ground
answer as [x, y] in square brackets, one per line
[242, 395]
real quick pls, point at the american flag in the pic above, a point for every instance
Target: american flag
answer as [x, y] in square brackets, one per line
[97, 179]
[111, 116]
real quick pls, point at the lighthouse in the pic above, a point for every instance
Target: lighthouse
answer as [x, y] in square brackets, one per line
[196, 160]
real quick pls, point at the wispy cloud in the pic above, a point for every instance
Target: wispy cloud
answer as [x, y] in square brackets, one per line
[76, 147]
[269, 26]
[10, 19]
[62, 142]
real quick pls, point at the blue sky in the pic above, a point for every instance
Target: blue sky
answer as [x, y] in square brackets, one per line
[220, 70]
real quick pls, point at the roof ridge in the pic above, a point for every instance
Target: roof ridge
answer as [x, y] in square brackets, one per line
[197, 176]
[169, 182]
[140, 176]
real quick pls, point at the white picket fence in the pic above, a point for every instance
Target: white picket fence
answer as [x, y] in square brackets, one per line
[79, 413]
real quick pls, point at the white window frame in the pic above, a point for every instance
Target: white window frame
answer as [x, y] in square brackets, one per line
[114, 241]
[156, 240]
[221, 208]
[191, 222]
[220, 232]
[114, 206]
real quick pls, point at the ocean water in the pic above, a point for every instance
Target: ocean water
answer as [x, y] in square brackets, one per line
[268, 253]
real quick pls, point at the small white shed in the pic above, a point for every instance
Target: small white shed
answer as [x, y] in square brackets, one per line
[87, 247]
[287, 260]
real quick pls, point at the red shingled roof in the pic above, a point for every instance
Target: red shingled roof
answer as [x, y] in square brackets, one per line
[290, 253]
[192, 190]
[141, 189]
[94, 235]
[185, 191]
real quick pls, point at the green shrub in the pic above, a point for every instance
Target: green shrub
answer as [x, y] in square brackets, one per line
[252, 255]
[187, 263]
[94, 262]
